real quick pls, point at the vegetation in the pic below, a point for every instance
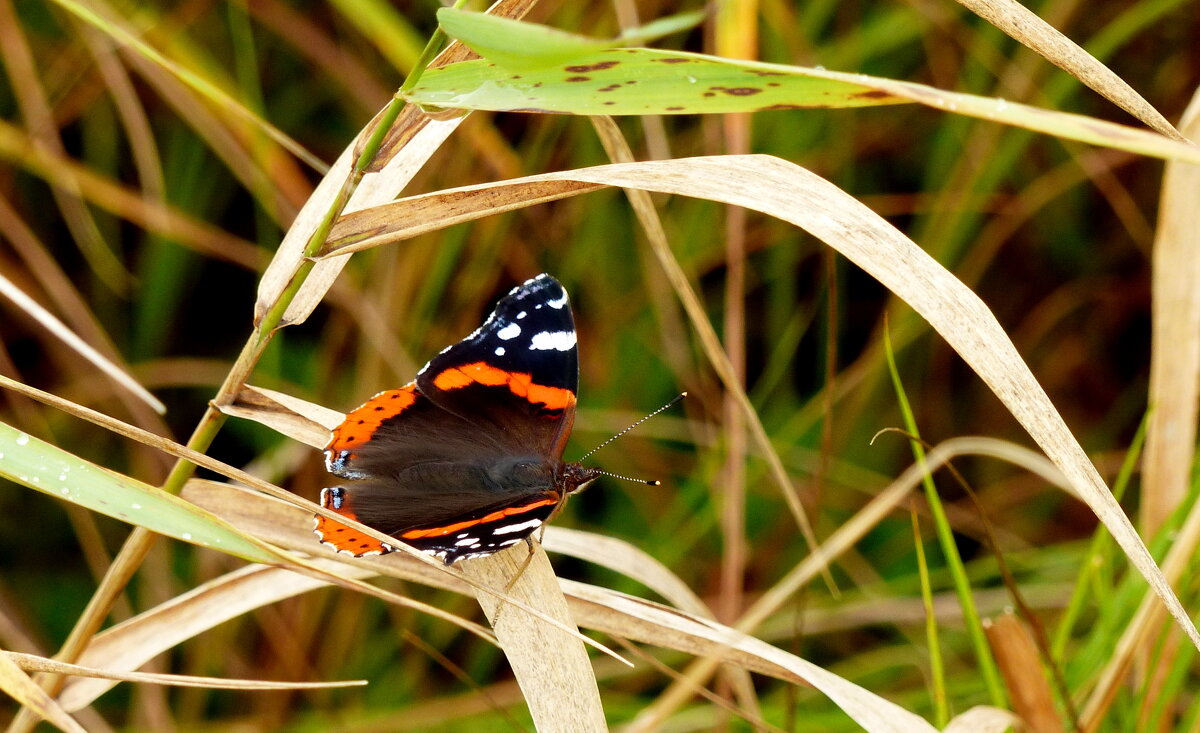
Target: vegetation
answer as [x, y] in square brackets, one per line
[925, 271]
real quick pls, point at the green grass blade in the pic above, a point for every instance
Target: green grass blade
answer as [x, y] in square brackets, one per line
[945, 533]
[941, 714]
[53, 471]
[517, 45]
[640, 81]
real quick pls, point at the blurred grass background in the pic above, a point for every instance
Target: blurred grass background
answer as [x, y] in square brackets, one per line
[142, 216]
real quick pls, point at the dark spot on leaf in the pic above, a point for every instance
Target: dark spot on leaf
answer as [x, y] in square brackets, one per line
[710, 94]
[772, 83]
[578, 78]
[742, 91]
[601, 66]
[609, 88]
[673, 60]
[610, 102]
[761, 72]
[871, 94]
[632, 81]
[674, 109]
[780, 106]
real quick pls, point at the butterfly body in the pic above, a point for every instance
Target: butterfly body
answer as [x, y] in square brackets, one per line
[466, 459]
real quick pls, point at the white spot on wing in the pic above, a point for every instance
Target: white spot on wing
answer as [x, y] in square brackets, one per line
[509, 332]
[517, 527]
[467, 541]
[522, 314]
[558, 304]
[556, 340]
[508, 543]
[499, 351]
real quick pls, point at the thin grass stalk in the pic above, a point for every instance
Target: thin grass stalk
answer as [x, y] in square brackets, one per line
[945, 533]
[937, 670]
[139, 542]
[1174, 358]
[618, 151]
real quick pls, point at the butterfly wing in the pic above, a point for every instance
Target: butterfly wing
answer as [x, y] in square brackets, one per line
[463, 461]
[517, 375]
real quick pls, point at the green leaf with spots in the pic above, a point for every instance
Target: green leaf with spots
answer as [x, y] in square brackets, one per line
[517, 45]
[52, 470]
[642, 81]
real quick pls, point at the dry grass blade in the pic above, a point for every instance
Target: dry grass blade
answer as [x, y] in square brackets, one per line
[651, 623]
[624, 558]
[409, 147]
[591, 607]
[1175, 340]
[1019, 662]
[784, 190]
[299, 420]
[1025, 26]
[553, 670]
[130, 644]
[126, 39]
[125, 202]
[984, 719]
[841, 541]
[19, 686]
[56, 327]
[34, 663]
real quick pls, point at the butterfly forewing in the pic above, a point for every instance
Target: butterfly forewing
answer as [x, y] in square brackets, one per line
[517, 375]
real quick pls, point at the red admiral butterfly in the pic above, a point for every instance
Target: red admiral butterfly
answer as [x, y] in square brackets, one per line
[467, 459]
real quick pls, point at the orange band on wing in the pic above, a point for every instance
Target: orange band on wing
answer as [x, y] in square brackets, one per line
[363, 421]
[342, 537]
[519, 383]
[439, 531]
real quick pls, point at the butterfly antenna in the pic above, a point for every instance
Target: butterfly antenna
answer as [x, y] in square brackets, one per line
[648, 482]
[678, 397]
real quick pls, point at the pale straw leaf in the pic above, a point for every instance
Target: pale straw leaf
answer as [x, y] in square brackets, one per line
[776, 187]
[1175, 340]
[1166, 459]
[35, 663]
[411, 142]
[18, 685]
[590, 606]
[59, 330]
[130, 644]
[553, 670]
[641, 620]
[1025, 26]
[984, 719]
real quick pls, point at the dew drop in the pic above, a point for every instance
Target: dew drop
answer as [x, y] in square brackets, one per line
[691, 80]
[136, 506]
[66, 491]
[22, 439]
[187, 536]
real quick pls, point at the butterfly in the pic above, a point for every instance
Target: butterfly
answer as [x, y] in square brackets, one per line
[466, 459]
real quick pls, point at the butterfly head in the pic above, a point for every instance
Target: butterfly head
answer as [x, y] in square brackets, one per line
[575, 477]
